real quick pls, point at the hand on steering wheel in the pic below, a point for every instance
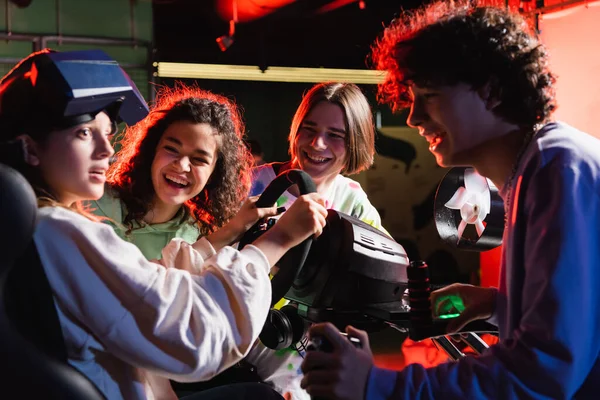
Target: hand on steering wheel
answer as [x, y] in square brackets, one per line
[304, 214]
[245, 218]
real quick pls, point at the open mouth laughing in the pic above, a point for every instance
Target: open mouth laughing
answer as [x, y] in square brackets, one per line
[315, 158]
[175, 181]
[435, 139]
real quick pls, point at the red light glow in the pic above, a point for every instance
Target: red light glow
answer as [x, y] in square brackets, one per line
[249, 10]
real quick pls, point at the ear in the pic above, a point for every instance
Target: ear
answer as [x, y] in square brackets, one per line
[490, 94]
[30, 150]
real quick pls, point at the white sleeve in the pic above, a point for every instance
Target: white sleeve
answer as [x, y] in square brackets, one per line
[175, 323]
[180, 254]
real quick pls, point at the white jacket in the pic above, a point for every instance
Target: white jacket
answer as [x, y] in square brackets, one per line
[130, 324]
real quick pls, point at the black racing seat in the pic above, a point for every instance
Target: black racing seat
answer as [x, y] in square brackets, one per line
[32, 351]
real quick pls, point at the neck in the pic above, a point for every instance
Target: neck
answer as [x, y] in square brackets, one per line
[322, 184]
[161, 212]
[496, 159]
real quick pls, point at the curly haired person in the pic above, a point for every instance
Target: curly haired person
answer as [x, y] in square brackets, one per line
[479, 90]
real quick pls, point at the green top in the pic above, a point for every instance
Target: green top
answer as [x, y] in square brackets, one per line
[150, 239]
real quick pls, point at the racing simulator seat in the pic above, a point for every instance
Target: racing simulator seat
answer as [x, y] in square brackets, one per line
[24, 365]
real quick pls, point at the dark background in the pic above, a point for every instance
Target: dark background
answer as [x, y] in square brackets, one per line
[294, 35]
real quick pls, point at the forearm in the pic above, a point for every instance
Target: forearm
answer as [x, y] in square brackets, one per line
[274, 244]
[222, 237]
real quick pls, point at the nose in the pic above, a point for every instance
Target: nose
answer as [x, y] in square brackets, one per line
[318, 142]
[182, 164]
[104, 148]
[417, 114]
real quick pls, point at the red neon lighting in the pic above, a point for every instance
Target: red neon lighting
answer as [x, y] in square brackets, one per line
[249, 10]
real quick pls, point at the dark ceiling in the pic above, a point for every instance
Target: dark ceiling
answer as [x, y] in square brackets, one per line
[294, 35]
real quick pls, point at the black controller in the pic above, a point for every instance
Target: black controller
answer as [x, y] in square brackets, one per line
[320, 343]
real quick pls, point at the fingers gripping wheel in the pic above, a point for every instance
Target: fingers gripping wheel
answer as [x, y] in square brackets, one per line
[465, 199]
[295, 258]
[283, 328]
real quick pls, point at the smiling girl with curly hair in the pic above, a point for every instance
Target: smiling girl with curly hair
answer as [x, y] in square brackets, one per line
[181, 172]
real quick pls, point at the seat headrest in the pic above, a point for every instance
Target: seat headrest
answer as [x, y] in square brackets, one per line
[18, 211]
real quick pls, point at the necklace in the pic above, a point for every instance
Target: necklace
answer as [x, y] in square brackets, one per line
[524, 145]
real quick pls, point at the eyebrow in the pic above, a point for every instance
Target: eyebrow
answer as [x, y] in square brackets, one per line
[198, 151]
[311, 123]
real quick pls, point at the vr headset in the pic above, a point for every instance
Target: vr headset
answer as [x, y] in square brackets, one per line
[56, 90]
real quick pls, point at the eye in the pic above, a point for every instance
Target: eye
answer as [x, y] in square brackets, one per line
[308, 128]
[84, 133]
[171, 149]
[335, 135]
[199, 161]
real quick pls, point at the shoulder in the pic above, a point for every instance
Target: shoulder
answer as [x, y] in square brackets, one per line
[61, 232]
[188, 230]
[565, 151]
[346, 195]
[348, 187]
[63, 221]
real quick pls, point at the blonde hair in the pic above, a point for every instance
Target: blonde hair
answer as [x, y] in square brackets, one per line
[360, 131]
[80, 207]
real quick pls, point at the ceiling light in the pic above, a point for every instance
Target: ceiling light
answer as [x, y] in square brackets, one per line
[271, 74]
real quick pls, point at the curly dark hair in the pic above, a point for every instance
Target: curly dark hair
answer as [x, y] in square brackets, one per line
[447, 42]
[221, 198]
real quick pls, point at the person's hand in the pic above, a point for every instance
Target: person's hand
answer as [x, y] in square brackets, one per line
[244, 219]
[471, 302]
[305, 218]
[341, 374]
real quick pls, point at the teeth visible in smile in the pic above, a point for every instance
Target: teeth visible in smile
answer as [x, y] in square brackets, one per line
[176, 179]
[316, 158]
[435, 138]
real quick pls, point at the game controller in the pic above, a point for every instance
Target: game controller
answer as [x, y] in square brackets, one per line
[320, 343]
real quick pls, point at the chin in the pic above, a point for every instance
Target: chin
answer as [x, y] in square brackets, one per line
[441, 161]
[174, 200]
[94, 194]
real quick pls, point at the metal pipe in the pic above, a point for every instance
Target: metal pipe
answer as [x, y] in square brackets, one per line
[475, 342]
[19, 37]
[449, 348]
[95, 41]
[57, 10]
[14, 60]
[152, 74]
[41, 42]
[26, 37]
[9, 60]
[7, 18]
[132, 18]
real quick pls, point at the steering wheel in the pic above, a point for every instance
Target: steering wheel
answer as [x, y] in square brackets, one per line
[293, 261]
